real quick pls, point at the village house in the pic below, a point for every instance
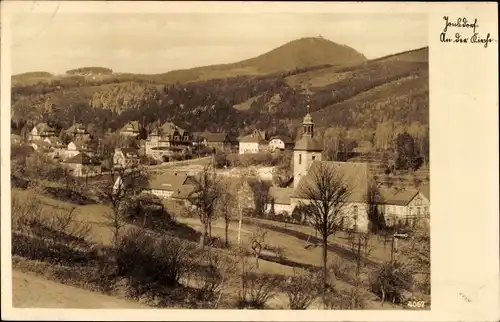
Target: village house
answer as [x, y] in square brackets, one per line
[179, 187]
[217, 141]
[253, 143]
[76, 147]
[280, 143]
[156, 145]
[125, 158]
[82, 165]
[161, 140]
[404, 206]
[132, 129]
[166, 184]
[175, 135]
[41, 146]
[41, 131]
[58, 148]
[199, 139]
[78, 131]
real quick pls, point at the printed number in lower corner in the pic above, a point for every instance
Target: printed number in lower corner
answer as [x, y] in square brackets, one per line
[416, 304]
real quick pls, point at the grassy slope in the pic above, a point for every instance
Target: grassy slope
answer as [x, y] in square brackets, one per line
[378, 98]
[32, 291]
[294, 248]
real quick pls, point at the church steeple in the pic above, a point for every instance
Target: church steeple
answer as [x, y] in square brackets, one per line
[307, 150]
[308, 125]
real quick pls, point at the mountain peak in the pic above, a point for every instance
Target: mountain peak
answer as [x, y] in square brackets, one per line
[306, 52]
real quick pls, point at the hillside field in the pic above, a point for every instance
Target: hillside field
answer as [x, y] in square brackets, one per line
[291, 237]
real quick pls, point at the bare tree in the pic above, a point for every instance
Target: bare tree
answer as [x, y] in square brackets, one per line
[226, 206]
[359, 244]
[244, 197]
[261, 198]
[121, 184]
[205, 195]
[326, 195]
[258, 244]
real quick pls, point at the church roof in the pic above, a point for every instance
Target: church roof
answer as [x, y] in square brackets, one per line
[280, 195]
[356, 175]
[308, 143]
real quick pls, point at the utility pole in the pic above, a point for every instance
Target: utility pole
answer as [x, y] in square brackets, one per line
[394, 244]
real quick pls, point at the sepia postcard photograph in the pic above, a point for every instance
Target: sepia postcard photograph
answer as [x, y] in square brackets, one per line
[249, 156]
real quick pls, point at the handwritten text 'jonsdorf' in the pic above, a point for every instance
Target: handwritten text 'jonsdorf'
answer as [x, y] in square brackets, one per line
[466, 32]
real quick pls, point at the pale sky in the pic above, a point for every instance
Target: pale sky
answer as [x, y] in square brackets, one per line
[157, 43]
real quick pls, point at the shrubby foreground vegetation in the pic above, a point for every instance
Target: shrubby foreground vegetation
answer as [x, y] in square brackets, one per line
[154, 258]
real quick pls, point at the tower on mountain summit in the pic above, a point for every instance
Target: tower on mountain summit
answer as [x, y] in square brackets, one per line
[307, 150]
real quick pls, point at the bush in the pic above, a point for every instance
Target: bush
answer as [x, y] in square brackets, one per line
[221, 160]
[302, 289]
[390, 282]
[254, 159]
[146, 210]
[343, 270]
[49, 234]
[351, 299]
[151, 259]
[177, 157]
[259, 289]
[210, 272]
[148, 160]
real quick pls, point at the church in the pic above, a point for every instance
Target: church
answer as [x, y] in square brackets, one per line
[307, 158]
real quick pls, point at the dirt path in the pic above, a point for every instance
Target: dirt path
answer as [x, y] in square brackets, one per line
[32, 291]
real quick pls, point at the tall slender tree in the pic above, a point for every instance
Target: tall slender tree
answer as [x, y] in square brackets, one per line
[204, 197]
[326, 195]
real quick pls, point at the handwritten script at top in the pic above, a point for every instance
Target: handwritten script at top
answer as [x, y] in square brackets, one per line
[466, 32]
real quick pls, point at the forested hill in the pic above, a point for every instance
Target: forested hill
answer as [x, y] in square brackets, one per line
[345, 90]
